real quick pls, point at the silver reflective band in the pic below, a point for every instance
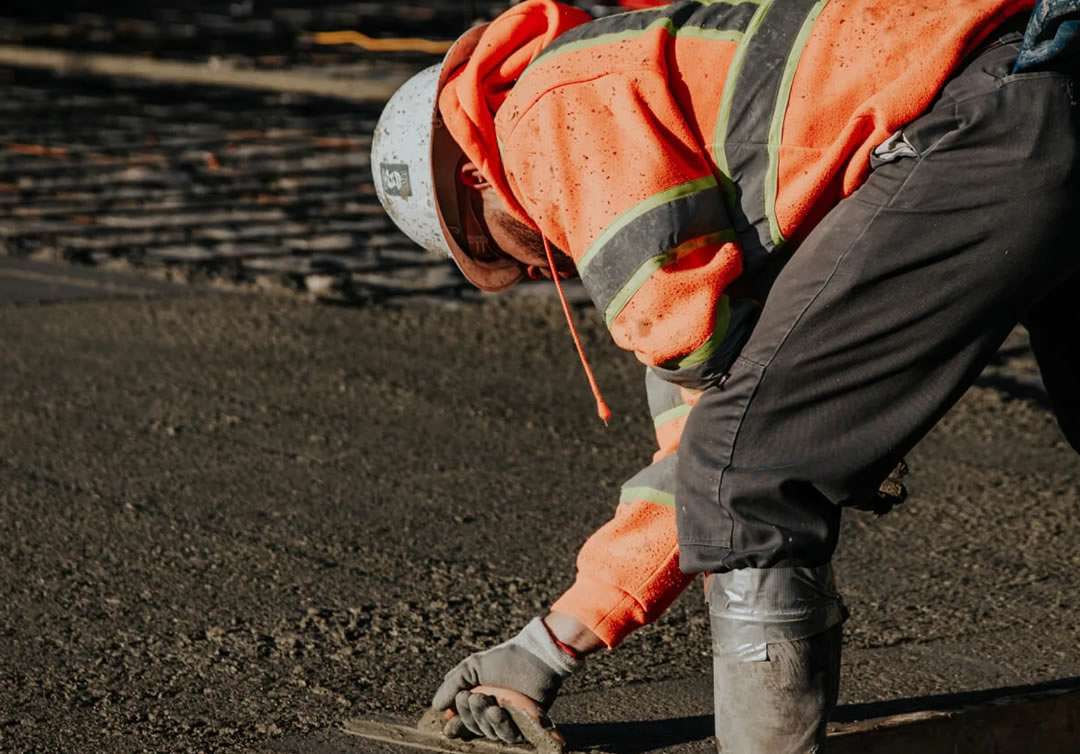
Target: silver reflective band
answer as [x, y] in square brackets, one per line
[753, 607]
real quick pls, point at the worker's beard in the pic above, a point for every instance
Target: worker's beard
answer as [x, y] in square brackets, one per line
[531, 239]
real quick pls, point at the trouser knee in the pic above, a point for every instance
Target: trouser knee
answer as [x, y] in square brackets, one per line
[776, 658]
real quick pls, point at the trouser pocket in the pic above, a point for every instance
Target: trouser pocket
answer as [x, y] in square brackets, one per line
[894, 148]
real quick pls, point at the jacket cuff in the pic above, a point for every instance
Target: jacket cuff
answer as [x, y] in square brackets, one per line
[536, 638]
[604, 609]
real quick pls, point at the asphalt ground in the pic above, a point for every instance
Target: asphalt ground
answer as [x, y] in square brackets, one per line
[230, 522]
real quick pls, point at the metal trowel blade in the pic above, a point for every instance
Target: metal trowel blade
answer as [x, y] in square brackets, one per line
[389, 730]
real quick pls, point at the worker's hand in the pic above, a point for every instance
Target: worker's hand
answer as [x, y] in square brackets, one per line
[531, 663]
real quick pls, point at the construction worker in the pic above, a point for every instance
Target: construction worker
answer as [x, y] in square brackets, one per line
[814, 221]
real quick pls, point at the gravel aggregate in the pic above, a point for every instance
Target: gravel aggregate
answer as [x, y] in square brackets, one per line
[230, 521]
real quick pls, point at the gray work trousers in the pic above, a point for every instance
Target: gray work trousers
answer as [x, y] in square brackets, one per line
[886, 313]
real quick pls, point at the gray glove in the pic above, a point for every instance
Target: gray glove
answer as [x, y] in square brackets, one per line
[530, 663]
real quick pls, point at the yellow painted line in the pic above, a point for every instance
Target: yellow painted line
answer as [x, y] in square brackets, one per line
[181, 72]
[383, 44]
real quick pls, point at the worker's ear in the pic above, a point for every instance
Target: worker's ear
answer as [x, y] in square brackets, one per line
[471, 176]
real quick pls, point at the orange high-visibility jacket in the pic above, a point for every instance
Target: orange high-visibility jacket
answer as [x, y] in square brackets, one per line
[670, 150]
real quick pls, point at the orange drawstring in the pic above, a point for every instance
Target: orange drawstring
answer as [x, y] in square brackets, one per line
[602, 409]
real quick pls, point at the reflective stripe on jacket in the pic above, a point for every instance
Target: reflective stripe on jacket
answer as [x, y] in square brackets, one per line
[669, 151]
[628, 571]
[664, 149]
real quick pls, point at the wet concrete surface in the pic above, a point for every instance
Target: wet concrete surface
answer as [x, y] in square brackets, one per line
[26, 281]
[230, 522]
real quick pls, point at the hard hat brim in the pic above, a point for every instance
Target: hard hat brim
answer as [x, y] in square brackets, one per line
[414, 165]
[445, 155]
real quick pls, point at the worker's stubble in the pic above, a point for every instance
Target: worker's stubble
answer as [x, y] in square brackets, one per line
[534, 241]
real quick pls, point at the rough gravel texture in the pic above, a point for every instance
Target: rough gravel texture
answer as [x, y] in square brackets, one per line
[248, 189]
[230, 521]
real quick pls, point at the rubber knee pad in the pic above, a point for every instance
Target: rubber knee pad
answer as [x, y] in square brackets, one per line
[753, 607]
[780, 705]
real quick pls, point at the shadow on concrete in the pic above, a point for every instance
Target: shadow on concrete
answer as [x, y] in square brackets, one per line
[1028, 389]
[952, 702]
[638, 737]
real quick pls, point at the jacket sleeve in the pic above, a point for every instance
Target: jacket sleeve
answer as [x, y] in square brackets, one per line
[611, 172]
[628, 571]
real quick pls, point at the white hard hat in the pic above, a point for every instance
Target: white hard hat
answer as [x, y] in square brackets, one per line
[414, 164]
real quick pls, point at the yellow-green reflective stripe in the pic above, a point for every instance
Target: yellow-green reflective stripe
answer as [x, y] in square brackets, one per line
[651, 265]
[777, 125]
[647, 494]
[706, 349]
[720, 136]
[643, 273]
[716, 35]
[639, 209]
[611, 36]
[671, 414]
[665, 23]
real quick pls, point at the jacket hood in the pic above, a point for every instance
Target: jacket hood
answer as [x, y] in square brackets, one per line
[473, 94]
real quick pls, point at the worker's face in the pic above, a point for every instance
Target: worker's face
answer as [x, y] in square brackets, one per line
[512, 238]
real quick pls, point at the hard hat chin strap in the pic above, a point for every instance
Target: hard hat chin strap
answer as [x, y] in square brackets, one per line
[477, 237]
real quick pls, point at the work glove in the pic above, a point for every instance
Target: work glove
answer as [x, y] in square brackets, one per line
[531, 663]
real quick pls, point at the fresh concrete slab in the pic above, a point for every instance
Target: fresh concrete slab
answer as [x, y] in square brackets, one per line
[1043, 718]
[230, 523]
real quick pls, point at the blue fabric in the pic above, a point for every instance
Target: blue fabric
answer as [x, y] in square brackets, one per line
[1050, 41]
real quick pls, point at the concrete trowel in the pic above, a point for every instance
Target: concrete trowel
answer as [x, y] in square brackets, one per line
[541, 736]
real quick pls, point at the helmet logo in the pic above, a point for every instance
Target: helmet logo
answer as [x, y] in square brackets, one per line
[395, 179]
